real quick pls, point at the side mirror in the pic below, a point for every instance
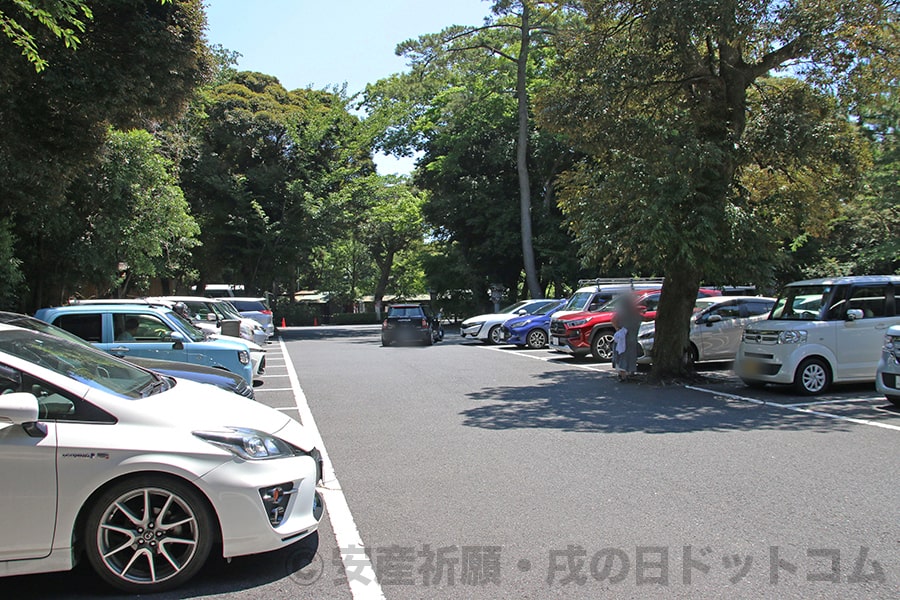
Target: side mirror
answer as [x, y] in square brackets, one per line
[521, 312]
[178, 340]
[713, 319]
[212, 316]
[18, 408]
[854, 313]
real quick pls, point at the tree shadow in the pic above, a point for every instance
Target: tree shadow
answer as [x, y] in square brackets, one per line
[598, 403]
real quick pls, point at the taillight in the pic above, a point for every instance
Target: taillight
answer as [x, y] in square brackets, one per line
[424, 323]
[384, 324]
[266, 312]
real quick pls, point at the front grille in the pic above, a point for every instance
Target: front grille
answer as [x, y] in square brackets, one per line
[761, 337]
[557, 327]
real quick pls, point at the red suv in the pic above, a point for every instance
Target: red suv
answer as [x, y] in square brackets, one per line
[592, 332]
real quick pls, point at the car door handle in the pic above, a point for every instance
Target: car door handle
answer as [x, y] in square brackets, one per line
[119, 350]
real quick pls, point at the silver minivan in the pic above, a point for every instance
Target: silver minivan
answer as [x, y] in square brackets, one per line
[821, 331]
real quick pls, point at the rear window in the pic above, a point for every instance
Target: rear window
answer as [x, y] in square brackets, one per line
[248, 305]
[86, 326]
[405, 311]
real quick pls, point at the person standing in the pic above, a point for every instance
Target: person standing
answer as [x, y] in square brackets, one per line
[627, 321]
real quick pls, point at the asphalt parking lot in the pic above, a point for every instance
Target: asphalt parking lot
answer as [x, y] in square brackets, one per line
[856, 403]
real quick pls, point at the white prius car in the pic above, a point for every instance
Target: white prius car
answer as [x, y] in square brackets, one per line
[140, 474]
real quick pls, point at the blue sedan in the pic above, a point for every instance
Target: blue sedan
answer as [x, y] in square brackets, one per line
[531, 331]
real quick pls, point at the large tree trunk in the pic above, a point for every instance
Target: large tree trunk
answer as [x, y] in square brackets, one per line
[672, 338]
[531, 278]
[384, 268]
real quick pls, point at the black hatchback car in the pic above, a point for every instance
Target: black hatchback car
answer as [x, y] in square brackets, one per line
[411, 323]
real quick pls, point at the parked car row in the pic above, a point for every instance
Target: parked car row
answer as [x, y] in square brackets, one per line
[817, 332]
[146, 329]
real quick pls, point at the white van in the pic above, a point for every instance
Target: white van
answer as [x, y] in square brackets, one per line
[821, 331]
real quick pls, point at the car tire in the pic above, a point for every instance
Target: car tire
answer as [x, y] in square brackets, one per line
[494, 336]
[536, 338]
[812, 377]
[602, 344]
[385, 342]
[692, 356]
[138, 510]
[895, 400]
[429, 341]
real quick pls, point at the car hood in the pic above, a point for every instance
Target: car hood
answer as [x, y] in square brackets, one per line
[194, 406]
[580, 315]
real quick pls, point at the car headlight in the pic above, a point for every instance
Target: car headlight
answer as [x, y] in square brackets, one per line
[244, 357]
[576, 323]
[792, 337]
[891, 343]
[248, 444]
[646, 334]
[467, 324]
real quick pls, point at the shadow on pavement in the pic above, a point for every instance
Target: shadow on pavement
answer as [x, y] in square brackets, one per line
[599, 403]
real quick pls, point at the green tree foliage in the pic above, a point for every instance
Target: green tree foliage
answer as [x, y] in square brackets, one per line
[659, 95]
[865, 235]
[12, 278]
[139, 62]
[392, 224]
[61, 18]
[518, 27]
[262, 169]
[136, 222]
[459, 108]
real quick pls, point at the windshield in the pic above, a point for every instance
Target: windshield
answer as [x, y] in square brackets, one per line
[230, 311]
[549, 308]
[703, 304]
[82, 363]
[513, 307]
[192, 331]
[579, 301]
[803, 303]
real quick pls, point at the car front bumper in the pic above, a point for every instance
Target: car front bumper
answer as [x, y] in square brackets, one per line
[237, 491]
[764, 363]
[471, 330]
[887, 375]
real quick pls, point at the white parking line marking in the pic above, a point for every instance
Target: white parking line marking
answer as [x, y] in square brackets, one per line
[273, 390]
[797, 409]
[363, 583]
[835, 401]
[549, 359]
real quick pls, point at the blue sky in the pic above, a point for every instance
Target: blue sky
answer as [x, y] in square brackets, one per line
[320, 43]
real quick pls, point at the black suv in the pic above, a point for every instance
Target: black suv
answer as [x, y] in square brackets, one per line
[411, 322]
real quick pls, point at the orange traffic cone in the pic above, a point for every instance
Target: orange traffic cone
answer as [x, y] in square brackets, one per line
[283, 323]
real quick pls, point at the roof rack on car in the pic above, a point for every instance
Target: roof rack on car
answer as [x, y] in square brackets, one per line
[141, 301]
[630, 281]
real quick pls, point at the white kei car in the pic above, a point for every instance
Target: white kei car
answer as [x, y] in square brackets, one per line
[141, 474]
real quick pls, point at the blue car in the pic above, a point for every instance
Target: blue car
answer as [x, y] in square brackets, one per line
[147, 330]
[531, 331]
